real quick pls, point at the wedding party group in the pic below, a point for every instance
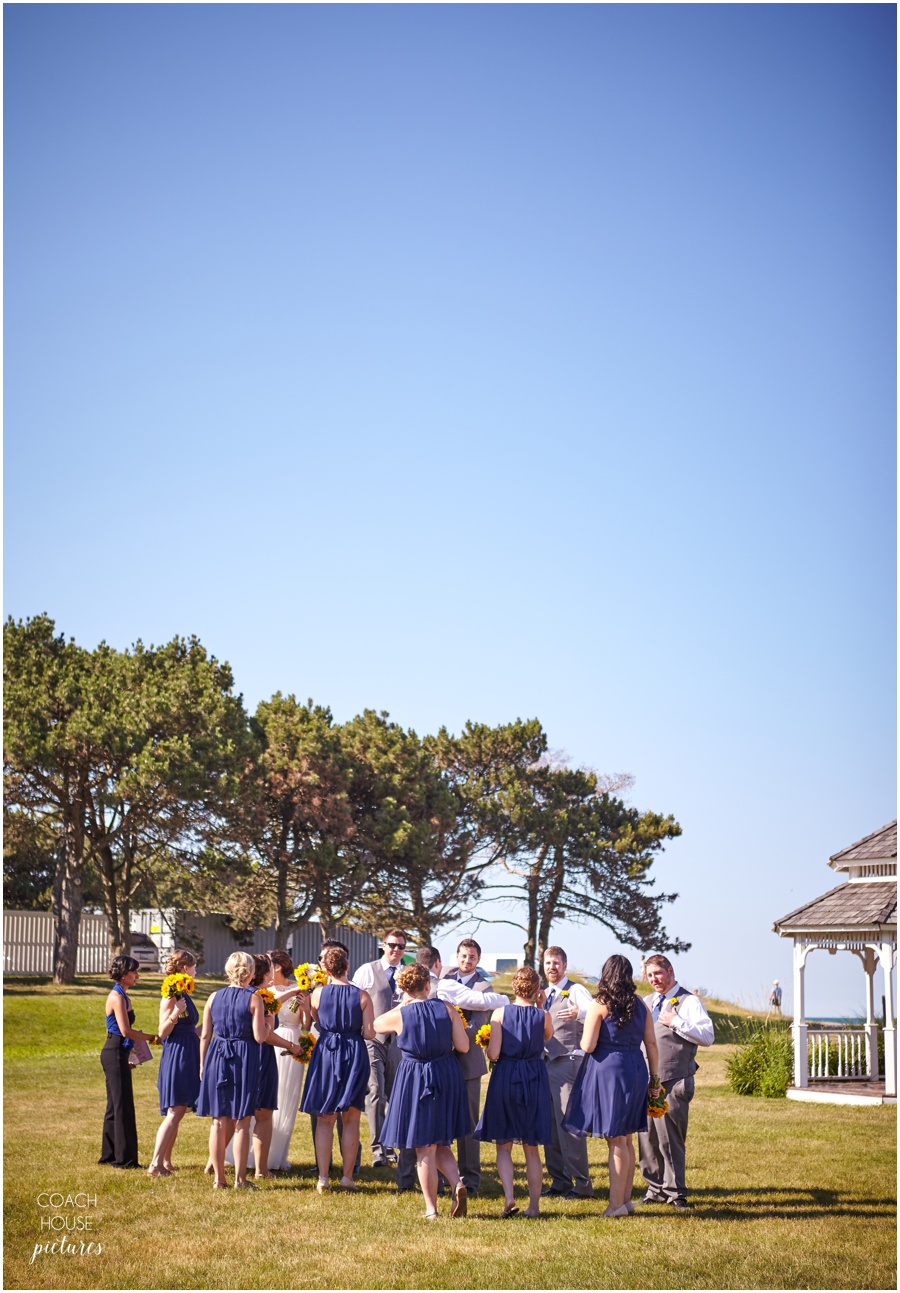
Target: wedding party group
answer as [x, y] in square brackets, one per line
[409, 1045]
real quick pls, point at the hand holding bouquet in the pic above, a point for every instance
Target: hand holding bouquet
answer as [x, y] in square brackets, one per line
[657, 1105]
[269, 1000]
[483, 1036]
[307, 1043]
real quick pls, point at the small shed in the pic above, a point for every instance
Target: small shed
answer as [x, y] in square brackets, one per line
[840, 1065]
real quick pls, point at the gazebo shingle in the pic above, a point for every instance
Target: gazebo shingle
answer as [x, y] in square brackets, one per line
[881, 845]
[849, 906]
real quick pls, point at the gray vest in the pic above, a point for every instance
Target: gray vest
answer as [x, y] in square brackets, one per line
[473, 1064]
[676, 1056]
[382, 997]
[566, 1033]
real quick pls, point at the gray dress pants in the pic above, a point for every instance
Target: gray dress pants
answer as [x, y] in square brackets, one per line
[661, 1147]
[566, 1156]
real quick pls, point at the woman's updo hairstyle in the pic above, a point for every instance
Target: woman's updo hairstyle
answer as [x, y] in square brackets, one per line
[120, 966]
[413, 978]
[239, 968]
[335, 960]
[178, 962]
[616, 988]
[280, 958]
[526, 982]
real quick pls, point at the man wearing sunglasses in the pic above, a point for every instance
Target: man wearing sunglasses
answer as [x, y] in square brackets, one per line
[377, 978]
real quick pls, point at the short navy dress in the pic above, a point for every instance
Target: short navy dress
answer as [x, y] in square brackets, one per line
[230, 1083]
[268, 1076]
[428, 1103]
[178, 1081]
[609, 1097]
[517, 1106]
[338, 1072]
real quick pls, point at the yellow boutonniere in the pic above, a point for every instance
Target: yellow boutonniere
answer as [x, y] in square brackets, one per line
[565, 992]
[673, 1002]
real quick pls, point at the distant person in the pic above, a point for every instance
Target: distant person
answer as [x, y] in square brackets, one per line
[682, 1025]
[775, 998]
[643, 969]
[377, 978]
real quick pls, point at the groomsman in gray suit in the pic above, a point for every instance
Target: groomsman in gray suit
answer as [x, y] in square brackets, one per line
[566, 1156]
[377, 978]
[473, 1063]
[682, 1025]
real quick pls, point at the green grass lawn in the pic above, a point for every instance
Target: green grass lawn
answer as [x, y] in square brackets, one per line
[785, 1195]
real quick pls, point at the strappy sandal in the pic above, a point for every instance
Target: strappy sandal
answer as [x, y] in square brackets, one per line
[431, 1216]
[460, 1205]
[510, 1210]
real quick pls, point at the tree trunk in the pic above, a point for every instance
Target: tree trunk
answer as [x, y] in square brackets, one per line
[67, 894]
[110, 900]
[282, 859]
[532, 888]
[548, 906]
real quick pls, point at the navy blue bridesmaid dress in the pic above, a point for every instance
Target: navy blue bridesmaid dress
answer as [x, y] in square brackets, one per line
[428, 1104]
[517, 1105]
[178, 1081]
[230, 1084]
[339, 1068]
[609, 1097]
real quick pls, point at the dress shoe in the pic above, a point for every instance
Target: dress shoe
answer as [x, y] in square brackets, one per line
[572, 1195]
[680, 1205]
[650, 1197]
[551, 1192]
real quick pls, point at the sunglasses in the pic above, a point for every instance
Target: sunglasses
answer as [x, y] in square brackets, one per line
[395, 947]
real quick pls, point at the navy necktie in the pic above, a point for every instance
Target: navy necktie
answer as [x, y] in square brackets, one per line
[657, 1008]
[391, 971]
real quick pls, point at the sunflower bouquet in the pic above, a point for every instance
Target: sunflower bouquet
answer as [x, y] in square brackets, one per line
[307, 1044]
[658, 1105]
[459, 1011]
[309, 977]
[269, 1000]
[174, 985]
[483, 1036]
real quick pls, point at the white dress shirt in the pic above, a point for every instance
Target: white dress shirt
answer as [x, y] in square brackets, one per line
[457, 994]
[691, 1020]
[365, 976]
[578, 994]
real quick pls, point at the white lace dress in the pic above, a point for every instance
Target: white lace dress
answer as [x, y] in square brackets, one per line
[290, 1081]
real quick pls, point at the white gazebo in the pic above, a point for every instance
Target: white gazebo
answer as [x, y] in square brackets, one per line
[839, 1065]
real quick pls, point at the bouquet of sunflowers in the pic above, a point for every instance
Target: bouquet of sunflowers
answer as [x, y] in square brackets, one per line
[309, 976]
[269, 1000]
[483, 1036]
[658, 1105]
[459, 1011]
[174, 985]
[307, 1043]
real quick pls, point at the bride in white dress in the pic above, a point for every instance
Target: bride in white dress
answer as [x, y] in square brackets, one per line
[290, 1071]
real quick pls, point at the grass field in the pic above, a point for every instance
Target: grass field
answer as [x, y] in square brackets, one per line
[785, 1195]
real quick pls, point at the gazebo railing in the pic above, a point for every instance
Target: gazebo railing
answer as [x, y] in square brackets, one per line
[837, 1053]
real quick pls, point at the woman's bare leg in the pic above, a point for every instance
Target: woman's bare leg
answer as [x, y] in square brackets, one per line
[505, 1170]
[534, 1172]
[426, 1166]
[262, 1139]
[324, 1141]
[241, 1151]
[220, 1133]
[349, 1144]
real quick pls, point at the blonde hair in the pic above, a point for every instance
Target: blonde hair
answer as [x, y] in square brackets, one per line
[179, 961]
[239, 969]
[413, 978]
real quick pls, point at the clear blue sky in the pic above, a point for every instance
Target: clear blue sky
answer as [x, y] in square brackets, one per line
[483, 362]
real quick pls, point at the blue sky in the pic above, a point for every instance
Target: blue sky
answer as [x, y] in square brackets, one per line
[484, 362]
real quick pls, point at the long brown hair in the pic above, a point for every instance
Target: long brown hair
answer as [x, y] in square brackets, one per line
[616, 988]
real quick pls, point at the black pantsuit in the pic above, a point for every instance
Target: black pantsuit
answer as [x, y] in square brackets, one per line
[120, 1147]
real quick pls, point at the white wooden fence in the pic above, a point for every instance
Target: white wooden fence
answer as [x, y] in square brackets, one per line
[28, 943]
[843, 1049]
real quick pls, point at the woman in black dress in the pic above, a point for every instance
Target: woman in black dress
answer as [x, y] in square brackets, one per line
[120, 1147]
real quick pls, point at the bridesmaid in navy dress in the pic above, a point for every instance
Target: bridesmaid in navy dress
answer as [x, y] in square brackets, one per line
[229, 1066]
[338, 1073]
[517, 1106]
[179, 1065]
[609, 1097]
[428, 1108]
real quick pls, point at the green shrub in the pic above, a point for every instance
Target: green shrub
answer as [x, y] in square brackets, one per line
[764, 1065]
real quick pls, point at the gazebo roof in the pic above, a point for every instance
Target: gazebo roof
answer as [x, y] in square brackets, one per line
[849, 906]
[880, 846]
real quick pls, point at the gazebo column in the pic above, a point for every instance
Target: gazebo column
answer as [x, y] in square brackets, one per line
[887, 958]
[799, 1030]
[868, 959]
